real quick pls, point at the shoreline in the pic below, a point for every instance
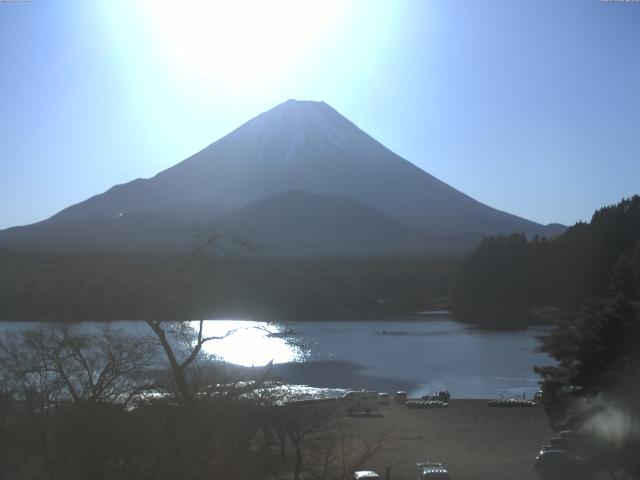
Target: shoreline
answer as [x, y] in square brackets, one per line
[344, 375]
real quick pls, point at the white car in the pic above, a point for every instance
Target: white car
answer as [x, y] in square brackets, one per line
[366, 475]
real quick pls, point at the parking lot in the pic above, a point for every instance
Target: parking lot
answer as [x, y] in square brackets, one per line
[471, 439]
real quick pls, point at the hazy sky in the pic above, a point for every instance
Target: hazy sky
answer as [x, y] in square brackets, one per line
[532, 107]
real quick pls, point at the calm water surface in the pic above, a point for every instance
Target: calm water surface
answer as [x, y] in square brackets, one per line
[417, 355]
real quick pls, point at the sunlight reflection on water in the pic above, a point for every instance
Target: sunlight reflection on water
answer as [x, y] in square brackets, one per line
[249, 343]
[416, 355]
[393, 354]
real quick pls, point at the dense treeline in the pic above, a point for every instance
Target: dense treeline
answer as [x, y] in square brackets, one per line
[506, 277]
[594, 386]
[38, 286]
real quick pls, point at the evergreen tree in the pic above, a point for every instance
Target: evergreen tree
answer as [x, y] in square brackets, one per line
[598, 348]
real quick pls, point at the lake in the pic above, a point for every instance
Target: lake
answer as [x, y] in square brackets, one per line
[419, 355]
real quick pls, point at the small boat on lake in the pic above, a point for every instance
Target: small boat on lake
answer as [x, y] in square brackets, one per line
[287, 332]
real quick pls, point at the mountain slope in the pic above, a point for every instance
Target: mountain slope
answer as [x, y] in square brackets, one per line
[303, 223]
[308, 146]
[292, 223]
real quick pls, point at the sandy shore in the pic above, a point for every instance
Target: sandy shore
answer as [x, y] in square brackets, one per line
[471, 439]
[338, 374]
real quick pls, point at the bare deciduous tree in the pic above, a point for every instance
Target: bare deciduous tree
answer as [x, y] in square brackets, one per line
[338, 456]
[183, 356]
[61, 363]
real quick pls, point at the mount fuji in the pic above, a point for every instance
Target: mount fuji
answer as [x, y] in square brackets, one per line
[299, 179]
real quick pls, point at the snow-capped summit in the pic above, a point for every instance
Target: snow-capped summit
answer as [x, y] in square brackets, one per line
[298, 122]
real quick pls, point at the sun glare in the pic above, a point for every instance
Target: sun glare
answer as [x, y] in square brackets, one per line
[241, 42]
[248, 343]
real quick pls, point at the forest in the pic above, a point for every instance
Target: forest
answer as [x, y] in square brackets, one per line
[511, 281]
[507, 282]
[111, 286]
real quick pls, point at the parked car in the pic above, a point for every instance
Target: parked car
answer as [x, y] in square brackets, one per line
[578, 443]
[366, 475]
[383, 399]
[560, 465]
[442, 396]
[559, 443]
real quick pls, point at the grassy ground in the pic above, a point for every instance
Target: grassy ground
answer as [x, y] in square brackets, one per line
[471, 439]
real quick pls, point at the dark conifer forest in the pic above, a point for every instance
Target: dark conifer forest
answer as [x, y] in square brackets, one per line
[509, 280]
[109, 286]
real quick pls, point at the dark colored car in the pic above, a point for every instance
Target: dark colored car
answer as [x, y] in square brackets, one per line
[560, 465]
[558, 443]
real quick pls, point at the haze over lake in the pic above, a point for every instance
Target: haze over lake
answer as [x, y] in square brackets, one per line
[409, 353]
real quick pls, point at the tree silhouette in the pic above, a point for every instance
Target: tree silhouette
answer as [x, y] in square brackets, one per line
[597, 375]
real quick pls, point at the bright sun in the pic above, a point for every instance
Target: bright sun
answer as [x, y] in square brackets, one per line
[240, 42]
